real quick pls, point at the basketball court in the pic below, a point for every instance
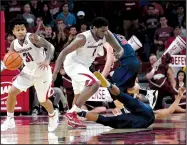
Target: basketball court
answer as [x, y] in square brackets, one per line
[33, 130]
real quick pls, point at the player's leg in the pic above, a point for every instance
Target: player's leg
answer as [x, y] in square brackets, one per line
[95, 117]
[115, 90]
[44, 90]
[21, 83]
[75, 98]
[121, 121]
[85, 84]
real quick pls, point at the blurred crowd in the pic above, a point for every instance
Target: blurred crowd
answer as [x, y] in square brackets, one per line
[155, 23]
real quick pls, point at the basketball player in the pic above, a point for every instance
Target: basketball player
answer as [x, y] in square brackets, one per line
[78, 57]
[125, 75]
[36, 71]
[140, 116]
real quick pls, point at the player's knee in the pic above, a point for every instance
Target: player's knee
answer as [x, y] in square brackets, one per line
[42, 101]
[96, 85]
[13, 91]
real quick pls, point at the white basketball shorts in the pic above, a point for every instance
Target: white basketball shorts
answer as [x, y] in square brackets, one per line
[80, 75]
[42, 83]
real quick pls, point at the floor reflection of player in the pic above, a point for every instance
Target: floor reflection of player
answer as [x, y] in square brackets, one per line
[36, 71]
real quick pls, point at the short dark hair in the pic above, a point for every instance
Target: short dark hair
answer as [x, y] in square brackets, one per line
[65, 3]
[100, 22]
[180, 5]
[73, 26]
[162, 16]
[177, 26]
[19, 20]
[151, 5]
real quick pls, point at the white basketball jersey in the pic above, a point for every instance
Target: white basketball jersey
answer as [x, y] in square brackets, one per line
[87, 53]
[31, 55]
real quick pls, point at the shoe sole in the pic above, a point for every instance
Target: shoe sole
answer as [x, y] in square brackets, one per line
[103, 80]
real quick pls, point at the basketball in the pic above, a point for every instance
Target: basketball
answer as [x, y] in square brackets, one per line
[12, 60]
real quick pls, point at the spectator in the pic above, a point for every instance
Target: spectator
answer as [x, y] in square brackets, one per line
[181, 82]
[72, 35]
[181, 79]
[28, 16]
[40, 27]
[46, 15]
[80, 18]
[160, 78]
[61, 36]
[9, 40]
[161, 36]
[35, 9]
[151, 22]
[83, 26]
[54, 6]
[130, 13]
[68, 18]
[180, 14]
[14, 8]
[176, 32]
[50, 35]
[158, 9]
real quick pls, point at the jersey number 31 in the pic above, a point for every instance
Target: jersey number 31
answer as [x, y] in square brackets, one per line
[28, 56]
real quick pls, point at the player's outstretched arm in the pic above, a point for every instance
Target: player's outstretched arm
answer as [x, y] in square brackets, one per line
[78, 42]
[41, 42]
[162, 113]
[109, 59]
[115, 45]
[171, 77]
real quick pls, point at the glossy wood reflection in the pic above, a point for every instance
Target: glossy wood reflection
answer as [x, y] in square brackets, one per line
[33, 130]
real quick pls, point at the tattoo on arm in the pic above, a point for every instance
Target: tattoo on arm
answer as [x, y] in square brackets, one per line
[41, 42]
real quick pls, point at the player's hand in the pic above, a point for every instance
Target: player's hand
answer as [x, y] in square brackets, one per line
[156, 65]
[181, 91]
[54, 76]
[116, 111]
[44, 64]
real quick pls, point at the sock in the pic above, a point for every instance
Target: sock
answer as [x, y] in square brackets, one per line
[11, 115]
[75, 109]
[51, 115]
[143, 92]
[82, 114]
